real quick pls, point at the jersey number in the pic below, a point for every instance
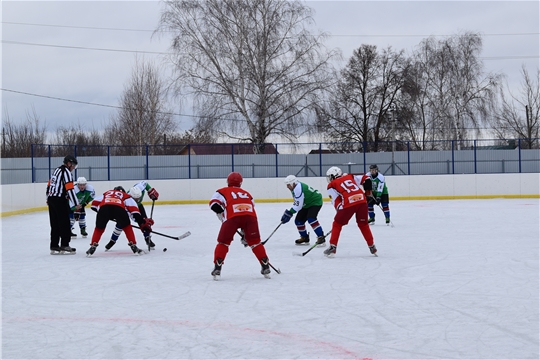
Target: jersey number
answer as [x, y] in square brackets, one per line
[349, 186]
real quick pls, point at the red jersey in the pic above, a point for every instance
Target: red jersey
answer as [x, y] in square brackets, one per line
[116, 198]
[347, 191]
[235, 201]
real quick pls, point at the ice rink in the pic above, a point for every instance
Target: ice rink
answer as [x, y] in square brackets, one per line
[455, 279]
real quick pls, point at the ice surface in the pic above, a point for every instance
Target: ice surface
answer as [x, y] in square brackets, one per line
[454, 279]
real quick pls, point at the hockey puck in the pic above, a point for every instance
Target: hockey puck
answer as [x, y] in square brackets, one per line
[164, 249]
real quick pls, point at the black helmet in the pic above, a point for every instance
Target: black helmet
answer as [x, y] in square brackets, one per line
[120, 188]
[70, 159]
[374, 166]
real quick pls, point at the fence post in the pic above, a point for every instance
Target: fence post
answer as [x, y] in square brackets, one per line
[453, 159]
[408, 158]
[50, 170]
[108, 162]
[147, 164]
[277, 158]
[475, 165]
[32, 157]
[189, 160]
[320, 159]
[232, 157]
[519, 154]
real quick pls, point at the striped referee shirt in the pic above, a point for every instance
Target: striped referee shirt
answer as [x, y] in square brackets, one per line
[61, 185]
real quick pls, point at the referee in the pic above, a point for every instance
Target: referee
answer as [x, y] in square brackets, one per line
[60, 198]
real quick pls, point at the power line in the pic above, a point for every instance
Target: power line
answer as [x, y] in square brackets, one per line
[82, 47]
[176, 114]
[509, 57]
[89, 103]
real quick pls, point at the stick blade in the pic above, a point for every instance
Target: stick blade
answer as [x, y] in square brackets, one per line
[184, 235]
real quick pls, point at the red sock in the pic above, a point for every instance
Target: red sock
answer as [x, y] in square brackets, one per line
[336, 230]
[96, 236]
[366, 231]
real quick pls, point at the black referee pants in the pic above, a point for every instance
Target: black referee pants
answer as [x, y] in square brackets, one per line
[59, 218]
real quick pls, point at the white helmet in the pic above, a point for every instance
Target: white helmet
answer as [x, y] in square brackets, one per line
[81, 180]
[290, 180]
[135, 192]
[333, 173]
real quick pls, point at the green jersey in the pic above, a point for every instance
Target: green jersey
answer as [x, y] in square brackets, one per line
[85, 196]
[304, 197]
[378, 184]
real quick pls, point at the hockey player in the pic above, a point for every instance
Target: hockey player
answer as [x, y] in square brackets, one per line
[137, 193]
[85, 194]
[115, 205]
[235, 208]
[307, 204]
[380, 195]
[348, 198]
[60, 198]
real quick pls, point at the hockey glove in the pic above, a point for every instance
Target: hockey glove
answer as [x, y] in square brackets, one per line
[153, 194]
[378, 200]
[287, 215]
[146, 226]
[221, 217]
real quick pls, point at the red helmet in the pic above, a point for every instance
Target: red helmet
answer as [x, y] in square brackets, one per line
[234, 179]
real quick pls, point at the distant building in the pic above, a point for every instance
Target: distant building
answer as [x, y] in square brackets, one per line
[225, 149]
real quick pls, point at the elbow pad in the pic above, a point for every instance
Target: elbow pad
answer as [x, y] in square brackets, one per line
[218, 209]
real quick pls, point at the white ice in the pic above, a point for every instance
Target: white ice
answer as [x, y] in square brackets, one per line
[455, 279]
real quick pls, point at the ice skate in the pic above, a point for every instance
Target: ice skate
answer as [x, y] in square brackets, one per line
[73, 235]
[304, 240]
[55, 250]
[373, 250]
[92, 250]
[216, 273]
[387, 221]
[67, 250]
[110, 245]
[265, 268]
[321, 241]
[135, 249]
[149, 242]
[83, 232]
[330, 252]
[371, 221]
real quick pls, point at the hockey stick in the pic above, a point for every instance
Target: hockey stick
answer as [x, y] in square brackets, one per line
[272, 266]
[311, 248]
[276, 270]
[265, 241]
[151, 214]
[184, 235]
[380, 207]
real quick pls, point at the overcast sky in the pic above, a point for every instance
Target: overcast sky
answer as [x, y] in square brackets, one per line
[83, 51]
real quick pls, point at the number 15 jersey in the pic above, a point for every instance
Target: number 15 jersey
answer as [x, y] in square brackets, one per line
[235, 201]
[347, 191]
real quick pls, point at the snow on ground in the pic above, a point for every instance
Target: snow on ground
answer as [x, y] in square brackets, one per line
[454, 279]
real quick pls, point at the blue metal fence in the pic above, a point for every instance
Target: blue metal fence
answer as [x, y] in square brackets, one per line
[199, 161]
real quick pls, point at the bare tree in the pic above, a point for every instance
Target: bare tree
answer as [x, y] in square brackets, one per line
[252, 66]
[454, 96]
[17, 140]
[519, 116]
[359, 107]
[88, 142]
[144, 117]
